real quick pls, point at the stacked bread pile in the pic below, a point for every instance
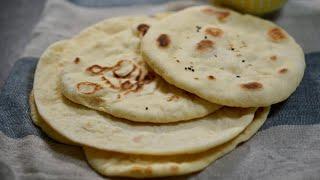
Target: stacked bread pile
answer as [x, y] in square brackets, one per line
[164, 95]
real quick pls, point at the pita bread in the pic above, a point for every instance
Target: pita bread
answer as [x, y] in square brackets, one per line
[38, 121]
[99, 130]
[138, 166]
[142, 166]
[225, 57]
[104, 70]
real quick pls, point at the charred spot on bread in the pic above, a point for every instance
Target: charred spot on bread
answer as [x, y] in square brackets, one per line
[204, 45]
[276, 34]
[216, 32]
[163, 40]
[283, 70]
[252, 85]
[143, 29]
[210, 77]
[88, 87]
[76, 60]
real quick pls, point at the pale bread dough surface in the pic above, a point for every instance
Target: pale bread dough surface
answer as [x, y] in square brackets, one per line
[100, 130]
[103, 69]
[225, 57]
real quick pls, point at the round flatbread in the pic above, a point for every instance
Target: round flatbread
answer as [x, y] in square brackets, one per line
[143, 166]
[100, 130]
[225, 57]
[104, 70]
[38, 121]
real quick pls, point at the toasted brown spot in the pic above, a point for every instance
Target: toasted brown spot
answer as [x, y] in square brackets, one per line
[210, 77]
[178, 61]
[137, 139]
[148, 170]
[95, 101]
[95, 69]
[137, 170]
[119, 64]
[283, 70]
[173, 97]
[118, 96]
[273, 58]
[117, 67]
[149, 78]
[88, 87]
[204, 45]
[109, 83]
[76, 60]
[196, 78]
[174, 169]
[276, 34]
[214, 31]
[136, 87]
[221, 15]
[163, 40]
[126, 85]
[139, 76]
[143, 29]
[252, 85]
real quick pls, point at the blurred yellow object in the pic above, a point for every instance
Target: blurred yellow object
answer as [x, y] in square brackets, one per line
[257, 7]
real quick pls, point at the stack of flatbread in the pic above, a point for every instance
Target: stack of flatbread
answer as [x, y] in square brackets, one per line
[164, 95]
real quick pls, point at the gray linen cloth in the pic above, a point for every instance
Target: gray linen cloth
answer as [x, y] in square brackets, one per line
[286, 147]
